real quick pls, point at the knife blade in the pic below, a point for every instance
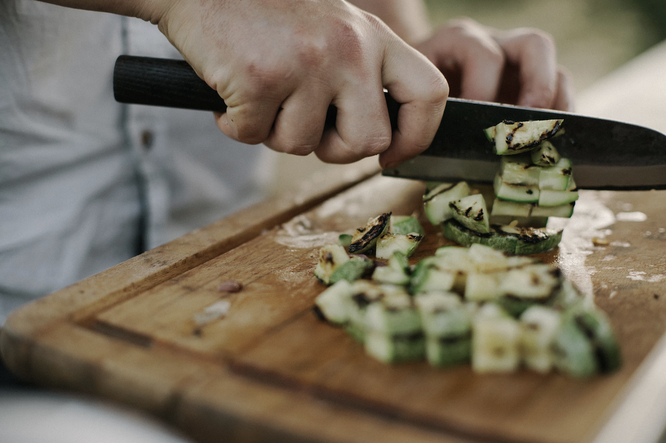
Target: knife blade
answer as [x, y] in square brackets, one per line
[606, 154]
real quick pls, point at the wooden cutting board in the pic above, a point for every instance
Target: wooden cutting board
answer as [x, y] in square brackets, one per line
[269, 370]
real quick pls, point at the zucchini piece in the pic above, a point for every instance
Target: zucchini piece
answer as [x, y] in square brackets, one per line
[454, 259]
[393, 315]
[428, 276]
[363, 294]
[515, 193]
[545, 154]
[333, 302]
[573, 353]
[487, 259]
[396, 272]
[471, 212]
[532, 282]
[389, 243]
[345, 240]
[495, 341]
[490, 133]
[509, 239]
[391, 349]
[516, 137]
[331, 257]
[597, 328]
[447, 326]
[365, 238]
[483, 286]
[565, 210]
[539, 324]
[406, 224]
[548, 198]
[436, 201]
[510, 208]
[556, 177]
[528, 240]
[519, 170]
[393, 329]
[352, 270]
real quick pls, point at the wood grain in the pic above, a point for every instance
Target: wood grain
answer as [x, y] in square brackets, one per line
[270, 370]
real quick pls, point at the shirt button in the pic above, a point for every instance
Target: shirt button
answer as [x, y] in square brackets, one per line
[147, 139]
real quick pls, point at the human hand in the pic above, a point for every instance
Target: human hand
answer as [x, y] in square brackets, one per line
[517, 66]
[279, 65]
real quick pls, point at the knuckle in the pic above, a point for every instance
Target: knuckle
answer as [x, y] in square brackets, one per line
[374, 144]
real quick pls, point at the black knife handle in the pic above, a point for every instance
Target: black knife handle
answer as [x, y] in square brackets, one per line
[162, 82]
[174, 84]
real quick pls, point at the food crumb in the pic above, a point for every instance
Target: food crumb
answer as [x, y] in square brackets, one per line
[230, 286]
[596, 241]
[211, 313]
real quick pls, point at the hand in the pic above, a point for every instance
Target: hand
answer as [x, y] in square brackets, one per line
[517, 67]
[279, 65]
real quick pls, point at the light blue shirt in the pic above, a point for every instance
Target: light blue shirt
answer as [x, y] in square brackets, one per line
[84, 180]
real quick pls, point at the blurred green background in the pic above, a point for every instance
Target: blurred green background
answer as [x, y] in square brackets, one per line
[593, 37]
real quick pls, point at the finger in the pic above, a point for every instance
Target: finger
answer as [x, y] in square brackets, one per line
[534, 52]
[299, 125]
[249, 122]
[422, 91]
[362, 126]
[469, 57]
[564, 99]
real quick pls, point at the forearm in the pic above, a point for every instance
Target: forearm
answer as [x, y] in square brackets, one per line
[407, 18]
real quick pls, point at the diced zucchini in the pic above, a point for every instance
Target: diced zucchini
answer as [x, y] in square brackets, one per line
[396, 272]
[539, 324]
[471, 212]
[427, 276]
[393, 315]
[389, 243]
[532, 282]
[509, 239]
[548, 198]
[565, 210]
[495, 343]
[512, 209]
[331, 257]
[436, 201]
[518, 169]
[487, 259]
[556, 177]
[597, 328]
[447, 327]
[515, 193]
[333, 302]
[545, 154]
[390, 349]
[481, 286]
[406, 224]
[352, 269]
[516, 137]
[345, 240]
[527, 240]
[573, 352]
[365, 238]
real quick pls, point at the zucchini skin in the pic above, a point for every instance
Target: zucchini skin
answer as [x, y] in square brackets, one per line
[539, 240]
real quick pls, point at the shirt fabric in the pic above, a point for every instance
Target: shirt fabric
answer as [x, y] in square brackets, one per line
[86, 182]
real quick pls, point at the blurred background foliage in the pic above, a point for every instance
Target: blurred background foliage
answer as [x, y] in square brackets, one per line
[593, 37]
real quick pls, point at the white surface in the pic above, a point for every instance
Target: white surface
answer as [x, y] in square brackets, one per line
[39, 417]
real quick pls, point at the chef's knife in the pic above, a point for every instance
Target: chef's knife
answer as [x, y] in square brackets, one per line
[606, 154]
